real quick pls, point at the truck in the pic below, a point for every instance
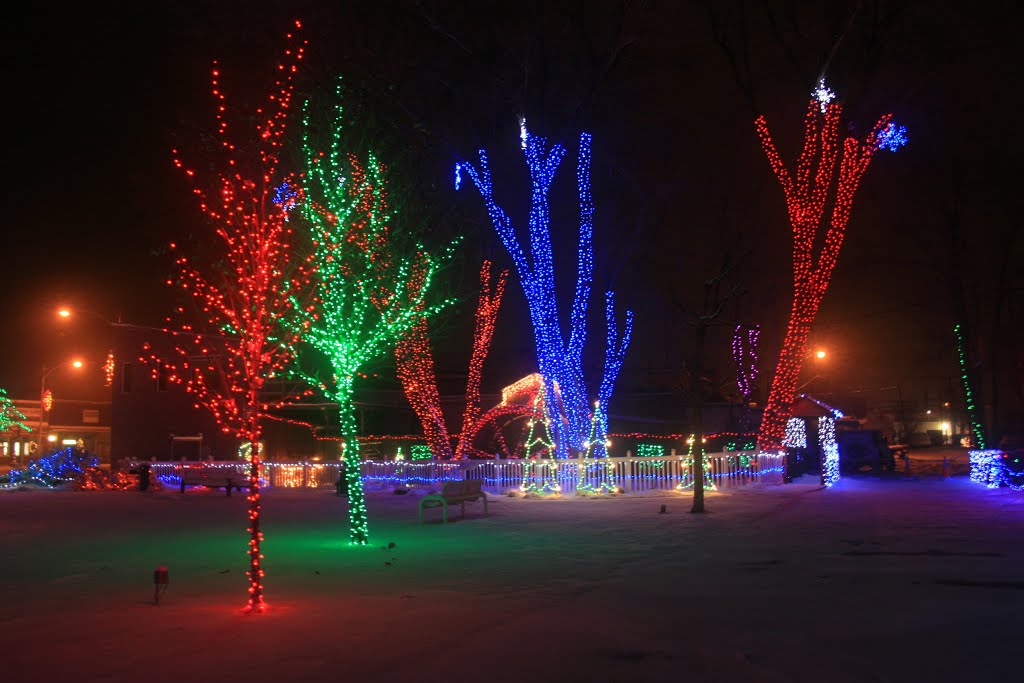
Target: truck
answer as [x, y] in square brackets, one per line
[862, 450]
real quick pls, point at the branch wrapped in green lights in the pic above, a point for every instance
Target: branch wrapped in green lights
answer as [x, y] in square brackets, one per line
[369, 292]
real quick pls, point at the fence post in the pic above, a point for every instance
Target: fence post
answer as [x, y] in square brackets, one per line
[906, 467]
[627, 472]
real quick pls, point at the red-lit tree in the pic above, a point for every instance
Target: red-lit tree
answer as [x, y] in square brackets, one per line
[414, 365]
[415, 368]
[826, 176]
[487, 308]
[242, 285]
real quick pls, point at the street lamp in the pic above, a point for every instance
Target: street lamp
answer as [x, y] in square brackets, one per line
[46, 372]
[66, 312]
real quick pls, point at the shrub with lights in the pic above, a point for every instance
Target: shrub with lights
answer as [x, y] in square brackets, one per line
[57, 469]
[819, 195]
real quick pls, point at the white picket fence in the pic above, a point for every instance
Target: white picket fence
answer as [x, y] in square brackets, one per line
[628, 474]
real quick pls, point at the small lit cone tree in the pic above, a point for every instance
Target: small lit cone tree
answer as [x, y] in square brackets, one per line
[368, 296]
[826, 177]
[560, 363]
[242, 287]
[10, 416]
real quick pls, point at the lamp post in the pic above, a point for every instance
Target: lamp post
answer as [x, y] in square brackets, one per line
[819, 356]
[67, 312]
[46, 372]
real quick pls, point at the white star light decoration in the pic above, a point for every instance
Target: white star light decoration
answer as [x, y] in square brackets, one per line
[823, 95]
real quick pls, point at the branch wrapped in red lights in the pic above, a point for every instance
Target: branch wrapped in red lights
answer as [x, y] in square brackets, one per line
[225, 355]
[808, 190]
[488, 305]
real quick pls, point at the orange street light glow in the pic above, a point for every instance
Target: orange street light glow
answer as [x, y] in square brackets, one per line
[820, 354]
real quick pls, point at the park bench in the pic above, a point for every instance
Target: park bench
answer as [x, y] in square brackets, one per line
[454, 492]
[213, 477]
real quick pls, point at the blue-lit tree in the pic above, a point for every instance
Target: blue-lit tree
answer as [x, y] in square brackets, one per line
[560, 363]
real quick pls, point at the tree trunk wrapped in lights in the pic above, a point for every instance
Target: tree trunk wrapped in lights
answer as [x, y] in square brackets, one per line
[744, 356]
[415, 369]
[243, 290]
[369, 292]
[488, 305]
[808, 191]
[559, 363]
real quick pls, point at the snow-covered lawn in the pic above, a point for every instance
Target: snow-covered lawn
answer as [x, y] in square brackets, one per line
[872, 580]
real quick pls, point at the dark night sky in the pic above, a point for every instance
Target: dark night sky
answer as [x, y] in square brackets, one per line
[97, 97]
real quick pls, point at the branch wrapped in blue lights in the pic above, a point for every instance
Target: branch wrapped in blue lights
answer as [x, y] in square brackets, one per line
[560, 363]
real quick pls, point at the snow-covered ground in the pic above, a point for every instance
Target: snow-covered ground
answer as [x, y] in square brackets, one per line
[873, 580]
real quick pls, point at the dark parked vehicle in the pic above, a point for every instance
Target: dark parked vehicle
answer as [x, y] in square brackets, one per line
[863, 450]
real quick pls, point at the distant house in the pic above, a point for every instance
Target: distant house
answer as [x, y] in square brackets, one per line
[154, 417]
[67, 422]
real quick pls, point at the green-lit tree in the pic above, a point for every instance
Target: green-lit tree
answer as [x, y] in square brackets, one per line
[370, 286]
[10, 416]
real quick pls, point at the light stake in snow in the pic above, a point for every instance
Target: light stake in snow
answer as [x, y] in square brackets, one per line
[160, 580]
